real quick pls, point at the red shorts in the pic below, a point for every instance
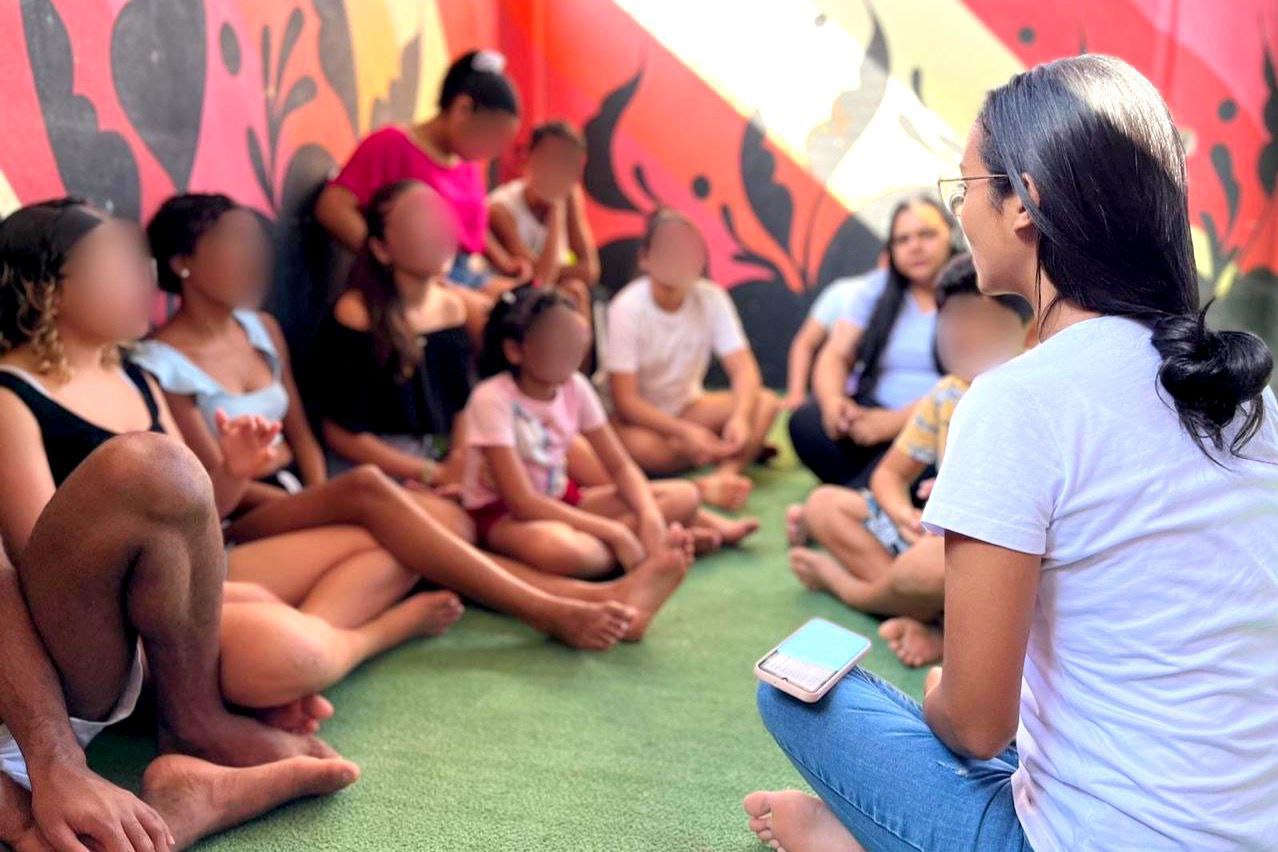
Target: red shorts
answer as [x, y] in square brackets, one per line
[487, 516]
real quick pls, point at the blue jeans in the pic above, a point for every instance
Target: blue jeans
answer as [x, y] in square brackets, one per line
[463, 274]
[868, 753]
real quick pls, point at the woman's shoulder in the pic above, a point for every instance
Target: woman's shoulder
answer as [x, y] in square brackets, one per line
[172, 368]
[1017, 390]
[390, 136]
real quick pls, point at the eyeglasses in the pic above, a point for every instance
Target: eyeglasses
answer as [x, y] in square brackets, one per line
[958, 193]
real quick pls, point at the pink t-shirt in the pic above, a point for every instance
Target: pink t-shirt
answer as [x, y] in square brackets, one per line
[499, 414]
[390, 154]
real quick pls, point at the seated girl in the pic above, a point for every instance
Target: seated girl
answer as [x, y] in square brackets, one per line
[880, 358]
[393, 360]
[541, 217]
[331, 598]
[396, 363]
[216, 353]
[662, 330]
[478, 118]
[879, 558]
[521, 421]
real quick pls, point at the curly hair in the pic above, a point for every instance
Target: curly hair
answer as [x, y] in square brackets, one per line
[35, 243]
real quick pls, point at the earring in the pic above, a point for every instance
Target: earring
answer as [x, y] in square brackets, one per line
[184, 273]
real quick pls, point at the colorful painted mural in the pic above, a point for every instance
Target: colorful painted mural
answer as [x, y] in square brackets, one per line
[787, 130]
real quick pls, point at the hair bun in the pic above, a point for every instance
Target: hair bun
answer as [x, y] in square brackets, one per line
[1211, 375]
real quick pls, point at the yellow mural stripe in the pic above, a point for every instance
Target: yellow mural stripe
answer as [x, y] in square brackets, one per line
[376, 63]
[381, 30]
[765, 47]
[436, 57]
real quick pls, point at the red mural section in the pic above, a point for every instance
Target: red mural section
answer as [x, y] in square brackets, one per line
[128, 101]
[1215, 65]
[661, 136]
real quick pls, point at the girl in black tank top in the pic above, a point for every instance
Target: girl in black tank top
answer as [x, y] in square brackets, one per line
[68, 437]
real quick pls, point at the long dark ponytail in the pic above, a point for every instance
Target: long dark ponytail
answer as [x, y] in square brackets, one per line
[887, 309]
[1113, 227]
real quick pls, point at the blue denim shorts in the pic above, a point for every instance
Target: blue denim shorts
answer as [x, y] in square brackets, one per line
[882, 527]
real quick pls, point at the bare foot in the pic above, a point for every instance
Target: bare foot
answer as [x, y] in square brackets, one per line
[655, 579]
[706, 540]
[197, 798]
[590, 626]
[814, 569]
[725, 490]
[436, 612]
[303, 716]
[914, 643]
[796, 527]
[233, 740]
[733, 531]
[738, 530]
[790, 821]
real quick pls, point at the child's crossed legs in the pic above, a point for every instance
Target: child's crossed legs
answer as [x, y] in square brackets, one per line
[861, 573]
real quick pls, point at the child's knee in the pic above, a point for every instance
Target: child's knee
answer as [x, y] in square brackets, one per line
[577, 291]
[681, 499]
[365, 487]
[828, 500]
[919, 571]
[583, 555]
[272, 654]
[767, 407]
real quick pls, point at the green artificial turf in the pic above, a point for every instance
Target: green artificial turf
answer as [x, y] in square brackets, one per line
[493, 738]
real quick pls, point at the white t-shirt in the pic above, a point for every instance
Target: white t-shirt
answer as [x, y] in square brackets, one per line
[532, 231]
[1149, 708]
[907, 369]
[670, 352]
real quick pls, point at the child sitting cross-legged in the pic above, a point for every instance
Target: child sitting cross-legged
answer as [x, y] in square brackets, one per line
[520, 422]
[662, 330]
[879, 557]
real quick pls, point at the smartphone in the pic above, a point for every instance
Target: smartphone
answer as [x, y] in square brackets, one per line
[812, 659]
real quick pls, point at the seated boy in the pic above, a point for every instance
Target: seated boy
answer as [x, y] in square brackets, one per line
[879, 558]
[663, 329]
[540, 218]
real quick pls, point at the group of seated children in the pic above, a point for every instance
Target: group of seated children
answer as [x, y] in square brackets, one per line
[878, 557]
[519, 491]
[532, 229]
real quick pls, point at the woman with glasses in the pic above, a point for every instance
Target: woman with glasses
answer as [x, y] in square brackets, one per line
[881, 355]
[1109, 503]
